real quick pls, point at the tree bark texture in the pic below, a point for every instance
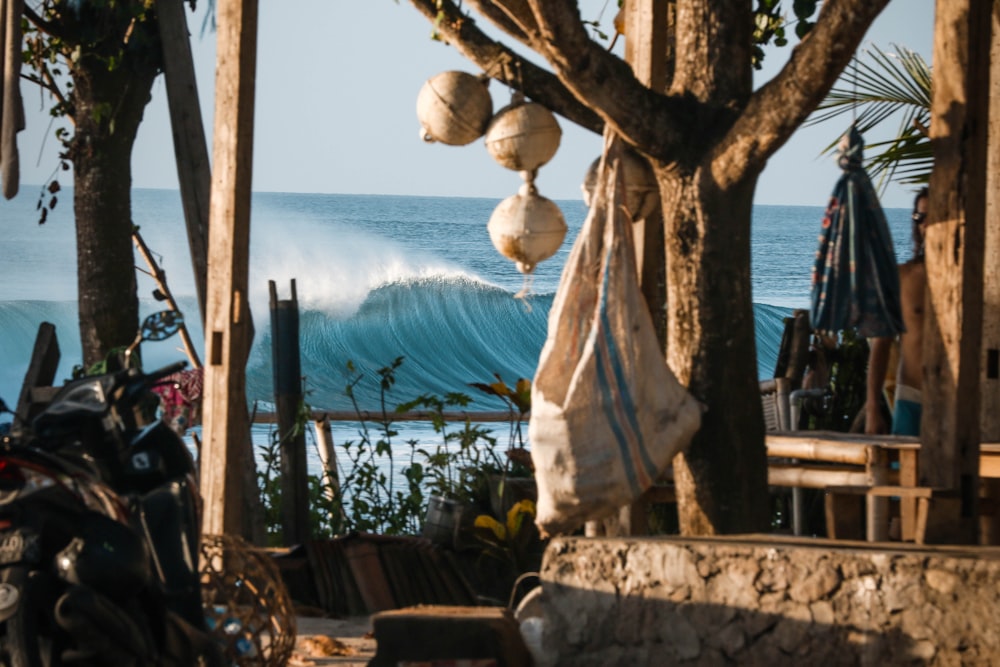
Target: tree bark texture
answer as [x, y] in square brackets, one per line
[708, 136]
[949, 430]
[108, 109]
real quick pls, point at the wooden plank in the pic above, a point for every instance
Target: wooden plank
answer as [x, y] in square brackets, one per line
[908, 506]
[226, 450]
[366, 567]
[989, 416]
[844, 516]
[890, 491]
[877, 507]
[41, 372]
[287, 374]
[989, 465]
[954, 256]
[814, 476]
[190, 148]
[646, 44]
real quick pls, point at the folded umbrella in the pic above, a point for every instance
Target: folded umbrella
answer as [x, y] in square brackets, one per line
[855, 279]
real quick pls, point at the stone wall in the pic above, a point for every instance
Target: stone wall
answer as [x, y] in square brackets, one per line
[767, 601]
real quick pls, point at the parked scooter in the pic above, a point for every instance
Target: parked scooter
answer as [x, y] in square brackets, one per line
[99, 529]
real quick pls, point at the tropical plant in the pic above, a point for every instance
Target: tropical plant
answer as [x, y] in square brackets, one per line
[518, 402]
[879, 86]
[377, 492]
[514, 542]
[459, 467]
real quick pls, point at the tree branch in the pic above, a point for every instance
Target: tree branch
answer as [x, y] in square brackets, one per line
[48, 27]
[501, 63]
[778, 108]
[661, 124]
[512, 16]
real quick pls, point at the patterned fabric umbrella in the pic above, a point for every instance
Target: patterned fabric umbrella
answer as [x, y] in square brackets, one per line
[855, 280]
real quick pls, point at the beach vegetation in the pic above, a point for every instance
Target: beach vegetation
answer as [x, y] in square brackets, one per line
[708, 132]
[384, 485]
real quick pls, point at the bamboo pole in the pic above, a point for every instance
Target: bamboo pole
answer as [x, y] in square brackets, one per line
[160, 277]
[814, 477]
[817, 448]
[411, 416]
[328, 458]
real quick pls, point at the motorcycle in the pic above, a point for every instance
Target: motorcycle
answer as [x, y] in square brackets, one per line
[100, 526]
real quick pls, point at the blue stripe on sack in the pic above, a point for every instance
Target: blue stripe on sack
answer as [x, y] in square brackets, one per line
[616, 427]
[628, 405]
[623, 421]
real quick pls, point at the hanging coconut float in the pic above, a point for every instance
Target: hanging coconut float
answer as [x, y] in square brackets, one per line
[642, 194]
[527, 228]
[523, 135]
[454, 108]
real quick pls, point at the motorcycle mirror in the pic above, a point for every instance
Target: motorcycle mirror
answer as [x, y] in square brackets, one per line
[158, 326]
[162, 325]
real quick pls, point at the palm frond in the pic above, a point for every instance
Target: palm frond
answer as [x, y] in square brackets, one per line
[874, 89]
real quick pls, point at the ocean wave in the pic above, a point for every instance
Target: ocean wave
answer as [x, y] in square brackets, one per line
[450, 330]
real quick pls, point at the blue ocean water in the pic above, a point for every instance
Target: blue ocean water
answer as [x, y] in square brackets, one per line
[377, 277]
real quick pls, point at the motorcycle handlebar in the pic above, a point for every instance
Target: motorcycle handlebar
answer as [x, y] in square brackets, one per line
[169, 369]
[139, 384]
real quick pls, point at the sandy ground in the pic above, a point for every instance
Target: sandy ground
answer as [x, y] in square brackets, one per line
[333, 641]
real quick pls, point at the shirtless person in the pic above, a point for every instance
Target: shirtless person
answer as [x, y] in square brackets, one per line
[909, 375]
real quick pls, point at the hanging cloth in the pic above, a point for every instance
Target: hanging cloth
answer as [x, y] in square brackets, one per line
[11, 105]
[607, 414]
[855, 279]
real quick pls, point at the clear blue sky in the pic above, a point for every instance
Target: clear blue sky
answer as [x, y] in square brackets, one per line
[337, 83]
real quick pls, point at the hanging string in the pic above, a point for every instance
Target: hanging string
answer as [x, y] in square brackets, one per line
[527, 291]
[854, 97]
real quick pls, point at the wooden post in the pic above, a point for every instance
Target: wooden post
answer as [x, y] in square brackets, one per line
[990, 358]
[226, 452]
[646, 23]
[954, 258]
[287, 398]
[190, 148]
[41, 373]
[646, 50]
[989, 378]
[328, 461]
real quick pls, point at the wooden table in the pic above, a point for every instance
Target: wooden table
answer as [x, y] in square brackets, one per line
[866, 468]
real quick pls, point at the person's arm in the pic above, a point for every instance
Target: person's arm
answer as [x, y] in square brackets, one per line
[878, 362]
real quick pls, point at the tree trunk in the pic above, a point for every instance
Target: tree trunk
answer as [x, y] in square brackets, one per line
[108, 109]
[721, 479]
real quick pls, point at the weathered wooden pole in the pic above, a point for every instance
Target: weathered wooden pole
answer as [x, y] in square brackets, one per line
[190, 148]
[646, 25]
[647, 51]
[160, 276]
[949, 456]
[227, 451]
[989, 361]
[328, 461]
[287, 373]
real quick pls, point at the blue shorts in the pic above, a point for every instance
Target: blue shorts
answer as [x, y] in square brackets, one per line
[906, 418]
